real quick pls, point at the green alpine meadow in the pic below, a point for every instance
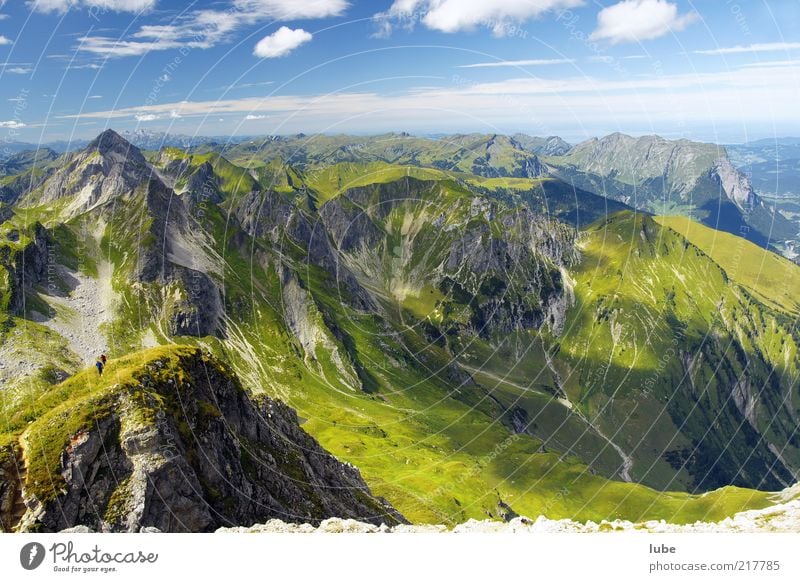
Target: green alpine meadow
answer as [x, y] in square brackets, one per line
[393, 328]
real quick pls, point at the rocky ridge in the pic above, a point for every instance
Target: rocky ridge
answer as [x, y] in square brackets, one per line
[178, 445]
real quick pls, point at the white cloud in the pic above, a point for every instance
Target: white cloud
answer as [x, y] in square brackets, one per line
[174, 114]
[92, 66]
[459, 15]
[252, 117]
[764, 47]
[291, 9]
[146, 117]
[639, 20]
[95, 97]
[523, 63]
[784, 63]
[18, 70]
[4, 40]
[112, 5]
[198, 30]
[236, 86]
[281, 42]
[203, 29]
[12, 124]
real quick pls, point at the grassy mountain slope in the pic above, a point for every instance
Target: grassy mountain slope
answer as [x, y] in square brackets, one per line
[771, 278]
[661, 343]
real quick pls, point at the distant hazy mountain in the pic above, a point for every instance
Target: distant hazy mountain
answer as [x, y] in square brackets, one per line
[27, 159]
[8, 149]
[155, 140]
[488, 155]
[544, 146]
[772, 141]
[675, 177]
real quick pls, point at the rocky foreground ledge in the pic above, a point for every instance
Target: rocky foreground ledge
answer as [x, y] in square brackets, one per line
[780, 518]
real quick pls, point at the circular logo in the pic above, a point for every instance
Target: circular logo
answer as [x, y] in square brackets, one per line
[31, 555]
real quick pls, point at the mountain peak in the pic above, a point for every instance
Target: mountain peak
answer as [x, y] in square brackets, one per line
[108, 141]
[116, 149]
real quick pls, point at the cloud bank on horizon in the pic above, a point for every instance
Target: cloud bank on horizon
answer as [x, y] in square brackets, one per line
[71, 67]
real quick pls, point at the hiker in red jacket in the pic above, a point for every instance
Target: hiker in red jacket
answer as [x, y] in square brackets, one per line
[103, 359]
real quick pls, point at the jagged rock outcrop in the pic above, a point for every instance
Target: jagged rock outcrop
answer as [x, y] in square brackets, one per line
[501, 264]
[184, 448]
[11, 504]
[735, 184]
[22, 269]
[203, 183]
[512, 282]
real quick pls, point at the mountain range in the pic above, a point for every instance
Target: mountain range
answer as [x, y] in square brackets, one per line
[484, 325]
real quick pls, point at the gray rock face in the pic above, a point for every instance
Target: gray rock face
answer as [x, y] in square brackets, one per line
[203, 184]
[10, 489]
[207, 456]
[107, 169]
[108, 175]
[191, 300]
[554, 146]
[269, 215]
[543, 146]
[349, 224]
[532, 168]
[16, 187]
[503, 265]
[735, 185]
[198, 309]
[26, 268]
[650, 162]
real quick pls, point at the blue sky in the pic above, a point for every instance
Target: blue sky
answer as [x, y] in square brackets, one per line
[717, 70]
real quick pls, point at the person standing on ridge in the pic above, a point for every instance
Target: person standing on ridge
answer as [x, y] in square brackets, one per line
[99, 365]
[103, 359]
